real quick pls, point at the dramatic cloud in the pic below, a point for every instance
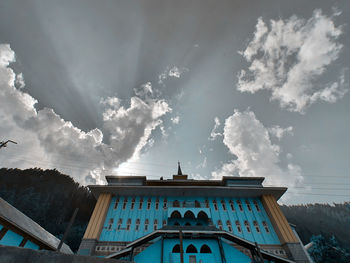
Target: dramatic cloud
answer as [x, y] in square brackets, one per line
[49, 141]
[289, 57]
[214, 133]
[248, 139]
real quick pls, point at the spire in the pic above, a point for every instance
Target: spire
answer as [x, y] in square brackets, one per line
[179, 172]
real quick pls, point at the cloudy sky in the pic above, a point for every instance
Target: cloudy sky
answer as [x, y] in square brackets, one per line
[244, 88]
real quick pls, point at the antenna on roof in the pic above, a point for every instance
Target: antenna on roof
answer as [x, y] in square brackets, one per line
[179, 172]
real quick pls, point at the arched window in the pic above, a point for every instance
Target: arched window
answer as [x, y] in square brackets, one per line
[256, 205]
[256, 225]
[189, 214]
[220, 224]
[239, 203]
[247, 226]
[197, 204]
[110, 224]
[205, 249]
[176, 248]
[128, 223]
[248, 205]
[228, 223]
[191, 249]
[232, 205]
[132, 203]
[120, 221]
[141, 202]
[175, 214]
[157, 203]
[149, 203]
[215, 205]
[116, 203]
[223, 205]
[125, 202]
[165, 203]
[146, 224]
[176, 203]
[202, 215]
[137, 225]
[176, 223]
[266, 227]
[238, 225]
[155, 224]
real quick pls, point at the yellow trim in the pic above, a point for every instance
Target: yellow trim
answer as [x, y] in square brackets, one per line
[98, 217]
[278, 220]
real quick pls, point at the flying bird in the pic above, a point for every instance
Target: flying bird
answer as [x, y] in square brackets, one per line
[4, 144]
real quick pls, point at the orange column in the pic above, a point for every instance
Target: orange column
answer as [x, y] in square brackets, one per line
[278, 220]
[98, 217]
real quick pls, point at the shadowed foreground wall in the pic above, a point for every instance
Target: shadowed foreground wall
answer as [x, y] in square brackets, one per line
[15, 255]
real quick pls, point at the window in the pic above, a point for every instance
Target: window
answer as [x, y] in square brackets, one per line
[116, 203]
[256, 205]
[149, 203]
[266, 227]
[165, 203]
[223, 205]
[232, 205]
[155, 224]
[220, 224]
[164, 223]
[206, 203]
[146, 224]
[137, 225]
[246, 224]
[176, 248]
[238, 225]
[191, 249]
[128, 223]
[176, 203]
[157, 204]
[215, 205]
[256, 225]
[197, 204]
[125, 202]
[184, 204]
[239, 203]
[228, 223]
[110, 224]
[205, 249]
[132, 203]
[248, 205]
[141, 202]
[120, 221]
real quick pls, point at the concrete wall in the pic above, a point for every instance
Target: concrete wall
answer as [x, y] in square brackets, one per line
[16, 254]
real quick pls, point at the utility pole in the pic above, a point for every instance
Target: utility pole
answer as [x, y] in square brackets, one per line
[4, 144]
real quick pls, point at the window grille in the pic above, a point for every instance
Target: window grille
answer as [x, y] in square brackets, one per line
[155, 224]
[266, 227]
[246, 223]
[120, 221]
[256, 205]
[215, 205]
[256, 225]
[132, 203]
[141, 202]
[110, 224]
[128, 223]
[228, 223]
[223, 205]
[239, 203]
[238, 225]
[220, 224]
[149, 203]
[165, 203]
[248, 205]
[125, 202]
[232, 205]
[116, 203]
[146, 224]
[137, 225]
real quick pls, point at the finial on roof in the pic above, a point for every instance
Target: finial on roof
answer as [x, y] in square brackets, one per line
[179, 172]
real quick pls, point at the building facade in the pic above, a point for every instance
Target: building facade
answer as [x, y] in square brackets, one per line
[235, 219]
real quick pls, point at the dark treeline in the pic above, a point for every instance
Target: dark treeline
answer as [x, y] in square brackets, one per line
[49, 198]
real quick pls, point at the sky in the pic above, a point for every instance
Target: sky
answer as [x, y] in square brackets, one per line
[228, 88]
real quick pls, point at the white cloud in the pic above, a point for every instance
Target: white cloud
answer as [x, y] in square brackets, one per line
[288, 57]
[214, 133]
[279, 132]
[48, 141]
[173, 72]
[175, 120]
[20, 81]
[248, 140]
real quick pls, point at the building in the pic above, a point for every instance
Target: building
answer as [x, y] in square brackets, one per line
[235, 219]
[17, 229]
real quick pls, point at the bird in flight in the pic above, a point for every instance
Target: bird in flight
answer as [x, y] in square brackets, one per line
[4, 144]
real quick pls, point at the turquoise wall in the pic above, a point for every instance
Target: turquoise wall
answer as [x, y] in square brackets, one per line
[11, 239]
[1, 226]
[160, 214]
[31, 245]
[153, 253]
